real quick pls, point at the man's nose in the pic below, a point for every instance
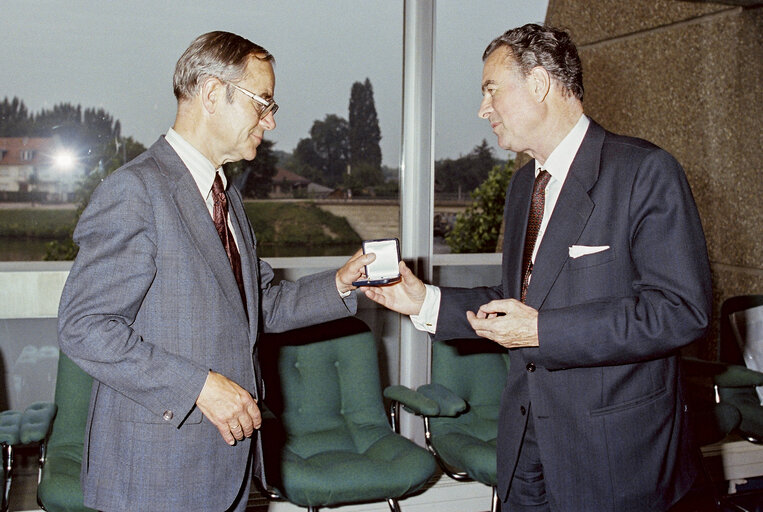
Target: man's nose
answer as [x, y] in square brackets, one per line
[485, 108]
[269, 121]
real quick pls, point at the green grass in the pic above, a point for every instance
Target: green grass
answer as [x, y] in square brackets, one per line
[37, 223]
[303, 224]
[281, 228]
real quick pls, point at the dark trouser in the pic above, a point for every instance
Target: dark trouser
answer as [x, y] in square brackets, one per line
[528, 489]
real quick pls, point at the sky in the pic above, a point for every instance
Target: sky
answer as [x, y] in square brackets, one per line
[120, 56]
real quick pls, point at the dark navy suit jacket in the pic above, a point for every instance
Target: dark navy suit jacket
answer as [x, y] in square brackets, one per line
[604, 383]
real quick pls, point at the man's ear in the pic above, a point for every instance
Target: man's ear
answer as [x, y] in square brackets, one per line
[212, 92]
[540, 83]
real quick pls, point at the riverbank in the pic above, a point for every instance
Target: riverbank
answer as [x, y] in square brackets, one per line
[283, 227]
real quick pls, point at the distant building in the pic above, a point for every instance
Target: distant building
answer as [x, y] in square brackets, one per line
[36, 169]
[289, 184]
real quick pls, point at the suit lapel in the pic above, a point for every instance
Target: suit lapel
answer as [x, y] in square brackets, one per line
[571, 213]
[195, 216]
[517, 210]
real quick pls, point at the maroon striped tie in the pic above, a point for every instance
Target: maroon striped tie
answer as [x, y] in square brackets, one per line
[533, 226]
[220, 217]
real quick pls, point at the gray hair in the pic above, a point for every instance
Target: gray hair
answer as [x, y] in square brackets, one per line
[551, 48]
[218, 54]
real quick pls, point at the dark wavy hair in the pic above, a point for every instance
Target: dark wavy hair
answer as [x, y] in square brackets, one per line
[219, 54]
[551, 48]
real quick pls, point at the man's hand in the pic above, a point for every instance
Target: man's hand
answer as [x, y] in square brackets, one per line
[229, 407]
[353, 270]
[508, 322]
[405, 296]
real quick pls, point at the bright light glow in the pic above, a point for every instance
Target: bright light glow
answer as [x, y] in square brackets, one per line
[64, 160]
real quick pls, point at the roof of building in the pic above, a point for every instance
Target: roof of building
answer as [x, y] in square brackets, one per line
[12, 150]
[284, 175]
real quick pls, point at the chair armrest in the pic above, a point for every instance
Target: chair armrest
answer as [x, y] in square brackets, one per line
[10, 424]
[725, 375]
[737, 376]
[36, 420]
[449, 403]
[412, 401]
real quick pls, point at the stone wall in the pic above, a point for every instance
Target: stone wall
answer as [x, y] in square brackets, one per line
[686, 76]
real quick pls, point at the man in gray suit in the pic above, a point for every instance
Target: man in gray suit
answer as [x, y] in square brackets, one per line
[605, 277]
[165, 317]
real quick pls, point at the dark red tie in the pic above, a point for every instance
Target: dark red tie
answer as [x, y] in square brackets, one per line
[533, 226]
[220, 216]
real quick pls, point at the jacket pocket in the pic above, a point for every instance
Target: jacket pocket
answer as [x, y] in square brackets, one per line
[631, 404]
[591, 260]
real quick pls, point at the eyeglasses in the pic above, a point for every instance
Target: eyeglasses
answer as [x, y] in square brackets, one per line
[266, 106]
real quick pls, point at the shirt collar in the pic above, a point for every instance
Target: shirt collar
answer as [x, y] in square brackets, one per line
[559, 161]
[201, 168]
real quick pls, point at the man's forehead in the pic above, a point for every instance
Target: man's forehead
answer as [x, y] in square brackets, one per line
[259, 75]
[498, 66]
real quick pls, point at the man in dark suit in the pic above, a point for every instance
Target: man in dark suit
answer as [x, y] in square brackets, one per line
[605, 277]
[167, 297]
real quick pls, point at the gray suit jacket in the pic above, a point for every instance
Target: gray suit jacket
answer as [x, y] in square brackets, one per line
[150, 306]
[604, 383]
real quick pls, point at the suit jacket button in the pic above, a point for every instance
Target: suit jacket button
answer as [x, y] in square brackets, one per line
[167, 415]
[530, 367]
[522, 410]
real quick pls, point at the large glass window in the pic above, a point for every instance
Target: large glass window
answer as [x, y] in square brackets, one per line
[465, 147]
[88, 84]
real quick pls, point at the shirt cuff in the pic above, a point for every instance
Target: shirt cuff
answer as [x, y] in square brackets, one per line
[426, 320]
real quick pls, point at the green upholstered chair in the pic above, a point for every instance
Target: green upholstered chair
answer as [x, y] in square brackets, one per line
[468, 377]
[730, 383]
[60, 489]
[10, 425]
[35, 425]
[17, 429]
[722, 399]
[738, 332]
[326, 437]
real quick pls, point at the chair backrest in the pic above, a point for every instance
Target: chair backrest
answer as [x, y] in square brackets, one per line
[476, 371]
[323, 383]
[59, 489]
[728, 347]
[72, 397]
[747, 326]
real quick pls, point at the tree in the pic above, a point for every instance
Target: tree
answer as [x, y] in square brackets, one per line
[323, 157]
[478, 227]
[258, 173]
[363, 178]
[364, 133]
[467, 172]
[15, 120]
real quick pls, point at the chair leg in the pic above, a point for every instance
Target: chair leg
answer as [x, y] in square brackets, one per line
[393, 506]
[312, 509]
[496, 503]
[41, 461]
[8, 474]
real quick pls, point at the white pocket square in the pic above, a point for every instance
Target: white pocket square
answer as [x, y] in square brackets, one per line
[576, 251]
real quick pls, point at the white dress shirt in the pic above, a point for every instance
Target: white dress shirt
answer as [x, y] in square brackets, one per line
[201, 169]
[203, 173]
[558, 165]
